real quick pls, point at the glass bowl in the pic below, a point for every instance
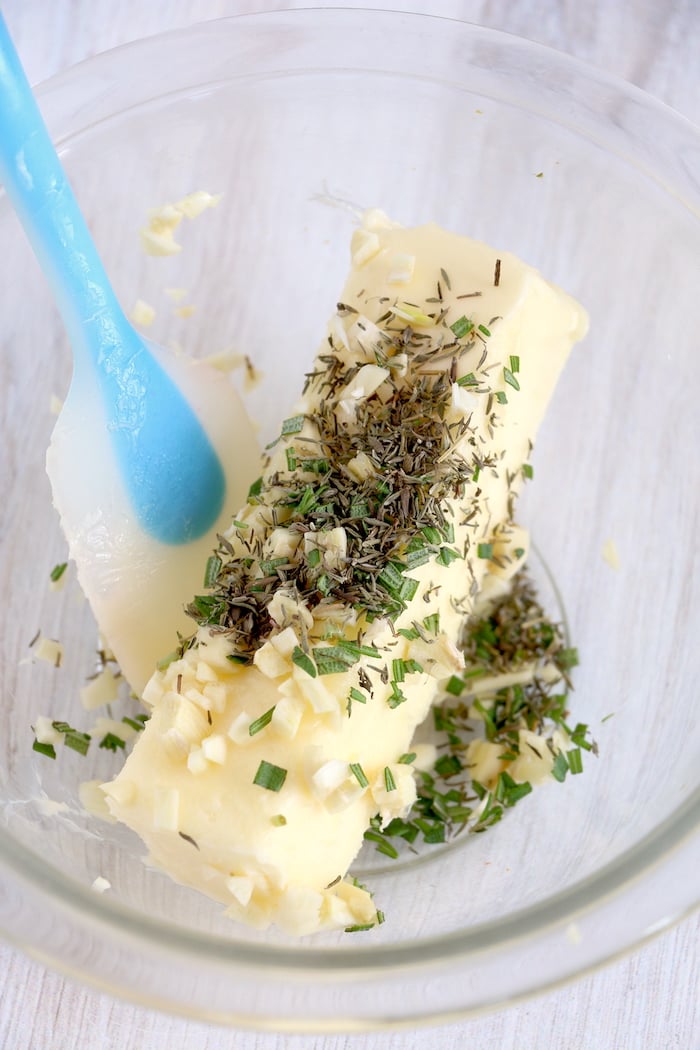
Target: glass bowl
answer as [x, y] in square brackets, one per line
[294, 117]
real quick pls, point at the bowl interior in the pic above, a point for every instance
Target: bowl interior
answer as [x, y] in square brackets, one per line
[296, 127]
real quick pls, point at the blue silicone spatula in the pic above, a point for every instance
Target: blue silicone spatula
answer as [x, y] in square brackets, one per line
[167, 463]
[140, 485]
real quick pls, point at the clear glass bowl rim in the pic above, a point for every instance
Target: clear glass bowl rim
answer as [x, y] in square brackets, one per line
[637, 863]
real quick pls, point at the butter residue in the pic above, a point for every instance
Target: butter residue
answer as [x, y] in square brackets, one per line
[611, 555]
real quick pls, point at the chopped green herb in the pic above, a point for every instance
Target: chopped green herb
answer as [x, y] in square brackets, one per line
[261, 722]
[527, 470]
[575, 760]
[255, 489]
[73, 738]
[44, 749]
[485, 550]
[461, 327]
[270, 776]
[381, 843]
[560, 767]
[292, 426]
[135, 723]
[291, 459]
[389, 782]
[567, 658]
[448, 766]
[391, 579]
[508, 791]
[432, 535]
[307, 501]
[484, 330]
[209, 608]
[510, 378]
[304, 661]
[408, 758]
[410, 633]
[212, 570]
[56, 574]
[333, 659]
[418, 556]
[514, 363]
[398, 671]
[79, 742]
[323, 583]
[111, 742]
[396, 697]
[355, 650]
[455, 686]
[359, 774]
[501, 397]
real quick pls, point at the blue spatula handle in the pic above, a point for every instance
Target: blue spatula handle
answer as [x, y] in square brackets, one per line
[170, 470]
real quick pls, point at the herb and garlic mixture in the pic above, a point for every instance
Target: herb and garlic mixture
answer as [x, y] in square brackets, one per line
[281, 733]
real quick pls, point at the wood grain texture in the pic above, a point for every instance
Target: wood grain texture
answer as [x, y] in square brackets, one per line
[648, 1001]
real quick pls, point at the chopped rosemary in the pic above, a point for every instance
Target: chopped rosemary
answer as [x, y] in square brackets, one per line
[510, 378]
[292, 426]
[261, 722]
[56, 573]
[138, 722]
[212, 570]
[381, 842]
[359, 774]
[357, 697]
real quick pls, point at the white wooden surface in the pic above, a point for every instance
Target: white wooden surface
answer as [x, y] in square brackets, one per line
[649, 1001]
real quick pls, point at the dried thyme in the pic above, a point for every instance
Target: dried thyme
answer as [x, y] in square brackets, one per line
[393, 519]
